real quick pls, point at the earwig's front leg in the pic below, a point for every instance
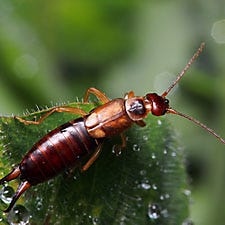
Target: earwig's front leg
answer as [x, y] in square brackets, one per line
[129, 95]
[100, 95]
[72, 110]
[118, 147]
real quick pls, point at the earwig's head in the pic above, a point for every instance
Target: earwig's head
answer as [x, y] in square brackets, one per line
[138, 108]
[159, 104]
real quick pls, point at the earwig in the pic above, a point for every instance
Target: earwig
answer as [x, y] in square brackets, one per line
[68, 145]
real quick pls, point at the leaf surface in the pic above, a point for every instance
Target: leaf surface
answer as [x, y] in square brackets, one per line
[144, 184]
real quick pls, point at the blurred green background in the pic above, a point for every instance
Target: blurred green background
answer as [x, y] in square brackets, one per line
[52, 51]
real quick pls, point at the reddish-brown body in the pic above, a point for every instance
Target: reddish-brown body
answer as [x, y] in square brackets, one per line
[68, 145]
[62, 148]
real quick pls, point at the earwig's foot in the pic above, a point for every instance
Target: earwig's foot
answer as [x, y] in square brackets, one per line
[117, 149]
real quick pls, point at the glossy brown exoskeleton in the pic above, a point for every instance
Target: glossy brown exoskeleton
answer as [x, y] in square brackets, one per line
[68, 145]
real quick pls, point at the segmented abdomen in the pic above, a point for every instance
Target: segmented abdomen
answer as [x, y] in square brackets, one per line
[62, 148]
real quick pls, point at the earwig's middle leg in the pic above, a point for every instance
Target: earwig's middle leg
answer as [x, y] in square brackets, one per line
[93, 158]
[72, 110]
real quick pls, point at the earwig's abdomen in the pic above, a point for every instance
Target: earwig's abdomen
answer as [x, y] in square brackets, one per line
[62, 148]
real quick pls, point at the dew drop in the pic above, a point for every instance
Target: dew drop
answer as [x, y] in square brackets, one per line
[143, 172]
[145, 186]
[159, 122]
[154, 187]
[116, 149]
[153, 211]
[18, 216]
[167, 195]
[187, 192]
[153, 155]
[136, 148]
[39, 203]
[123, 220]
[95, 220]
[173, 154]
[6, 194]
[145, 137]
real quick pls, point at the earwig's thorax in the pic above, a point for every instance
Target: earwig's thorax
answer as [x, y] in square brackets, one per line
[159, 104]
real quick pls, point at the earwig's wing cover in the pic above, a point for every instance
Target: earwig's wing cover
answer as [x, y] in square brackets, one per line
[145, 184]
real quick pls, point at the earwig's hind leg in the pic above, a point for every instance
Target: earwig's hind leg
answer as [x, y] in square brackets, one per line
[101, 96]
[72, 110]
[93, 158]
[11, 176]
[23, 187]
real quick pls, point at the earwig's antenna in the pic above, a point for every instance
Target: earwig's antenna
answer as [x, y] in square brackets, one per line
[211, 131]
[172, 111]
[193, 58]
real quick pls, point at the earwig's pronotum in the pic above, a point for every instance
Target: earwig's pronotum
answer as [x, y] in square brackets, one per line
[67, 145]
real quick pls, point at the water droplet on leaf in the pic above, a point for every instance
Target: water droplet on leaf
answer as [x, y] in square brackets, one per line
[6, 194]
[136, 148]
[18, 216]
[153, 211]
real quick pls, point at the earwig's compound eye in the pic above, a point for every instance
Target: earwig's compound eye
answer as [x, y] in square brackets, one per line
[160, 104]
[166, 101]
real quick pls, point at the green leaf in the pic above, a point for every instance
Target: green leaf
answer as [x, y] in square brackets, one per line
[144, 184]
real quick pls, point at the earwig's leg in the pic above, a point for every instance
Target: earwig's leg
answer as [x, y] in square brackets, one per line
[129, 95]
[72, 110]
[23, 187]
[101, 96]
[118, 147]
[93, 158]
[140, 123]
[124, 142]
[11, 176]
